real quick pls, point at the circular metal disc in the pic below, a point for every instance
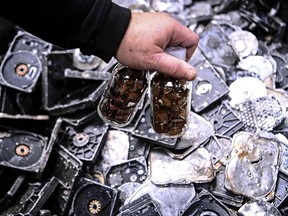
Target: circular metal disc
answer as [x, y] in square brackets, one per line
[244, 43]
[246, 88]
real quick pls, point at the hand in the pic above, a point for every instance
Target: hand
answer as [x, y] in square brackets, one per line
[147, 36]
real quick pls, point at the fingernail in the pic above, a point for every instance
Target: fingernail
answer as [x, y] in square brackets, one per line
[191, 74]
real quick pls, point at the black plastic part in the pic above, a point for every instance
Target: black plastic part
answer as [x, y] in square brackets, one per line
[22, 63]
[33, 199]
[217, 188]
[16, 104]
[11, 182]
[24, 150]
[134, 170]
[206, 204]
[281, 195]
[214, 87]
[138, 147]
[67, 169]
[84, 140]
[224, 120]
[281, 72]
[91, 198]
[143, 206]
[62, 95]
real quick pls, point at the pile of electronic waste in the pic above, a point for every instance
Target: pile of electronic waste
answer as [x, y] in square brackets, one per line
[58, 157]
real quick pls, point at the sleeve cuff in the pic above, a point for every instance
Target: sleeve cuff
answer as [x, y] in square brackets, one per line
[105, 42]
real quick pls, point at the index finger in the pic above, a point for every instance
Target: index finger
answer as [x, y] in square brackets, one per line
[184, 37]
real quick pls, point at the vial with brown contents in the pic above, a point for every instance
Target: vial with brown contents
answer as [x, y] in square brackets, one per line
[170, 100]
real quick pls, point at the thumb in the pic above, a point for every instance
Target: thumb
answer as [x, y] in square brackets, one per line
[172, 66]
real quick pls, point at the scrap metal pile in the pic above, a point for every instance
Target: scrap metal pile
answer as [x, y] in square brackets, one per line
[58, 157]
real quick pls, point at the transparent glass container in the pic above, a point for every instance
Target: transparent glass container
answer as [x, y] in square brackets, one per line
[123, 95]
[170, 103]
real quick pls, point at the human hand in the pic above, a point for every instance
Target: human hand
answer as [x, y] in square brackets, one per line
[147, 36]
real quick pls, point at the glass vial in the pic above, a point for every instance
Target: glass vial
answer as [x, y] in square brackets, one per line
[123, 96]
[170, 100]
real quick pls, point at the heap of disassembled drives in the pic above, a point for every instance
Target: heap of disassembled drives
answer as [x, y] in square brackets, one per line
[77, 135]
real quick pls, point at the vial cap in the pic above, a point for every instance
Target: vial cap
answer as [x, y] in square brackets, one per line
[178, 52]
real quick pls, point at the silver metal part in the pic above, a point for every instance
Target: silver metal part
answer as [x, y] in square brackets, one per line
[226, 143]
[87, 74]
[263, 113]
[253, 168]
[214, 44]
[244, 43]
[85, 62]
[199, 11]
[261, 65]
[168, 199]
[127, 189]
[258, 208]
[169, 6]
[281, 96]
[115, 149]
[198, 131]
[197, 167]
[220, 148]
[135, 5]
[246, 88]
[284, 153]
